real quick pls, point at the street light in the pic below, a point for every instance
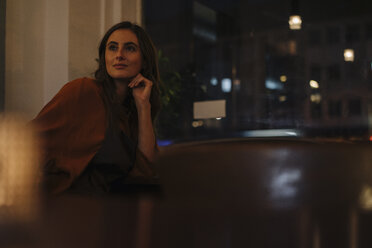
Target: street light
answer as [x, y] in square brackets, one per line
[295, 22]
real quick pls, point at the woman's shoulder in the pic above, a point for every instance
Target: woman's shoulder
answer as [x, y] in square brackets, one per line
[80, 86]
[78, 89]
[82, 83]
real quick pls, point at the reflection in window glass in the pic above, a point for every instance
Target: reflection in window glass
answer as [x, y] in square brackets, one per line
[271, 77]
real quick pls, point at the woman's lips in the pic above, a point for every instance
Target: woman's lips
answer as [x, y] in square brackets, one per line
[120, 66]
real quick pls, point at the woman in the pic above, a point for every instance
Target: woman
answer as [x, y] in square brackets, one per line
[98, 133]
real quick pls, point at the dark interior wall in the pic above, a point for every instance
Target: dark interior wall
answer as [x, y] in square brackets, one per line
[2, 53]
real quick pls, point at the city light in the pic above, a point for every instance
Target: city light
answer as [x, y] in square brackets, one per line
[226, 84]
[282, 98]
[236, 84]
[295, 22]
[283, 78]
[273, 84]
[314, 84]
[198, 123]
[316, 98]
[218, 118]
[214, 81]
[349, 55]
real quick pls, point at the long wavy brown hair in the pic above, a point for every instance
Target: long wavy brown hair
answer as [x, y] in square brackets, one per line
[117, 112]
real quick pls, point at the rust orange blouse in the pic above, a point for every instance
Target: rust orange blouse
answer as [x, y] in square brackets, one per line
[72, 128]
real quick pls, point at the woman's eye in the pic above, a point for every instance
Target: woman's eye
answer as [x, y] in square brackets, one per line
[112, 48]
[131, 48]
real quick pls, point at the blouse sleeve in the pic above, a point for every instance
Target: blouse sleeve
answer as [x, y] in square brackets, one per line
[71, 127]
[143, 171]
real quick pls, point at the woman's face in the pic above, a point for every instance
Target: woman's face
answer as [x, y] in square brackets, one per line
[123, 55]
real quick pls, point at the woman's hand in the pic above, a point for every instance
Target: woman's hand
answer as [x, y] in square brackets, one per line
[141, 90]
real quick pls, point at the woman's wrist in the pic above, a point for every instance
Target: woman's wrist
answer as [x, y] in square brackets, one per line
[143, 107]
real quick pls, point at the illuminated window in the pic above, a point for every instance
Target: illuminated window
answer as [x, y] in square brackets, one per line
[316, 98]
[295, 22]
[349, 55]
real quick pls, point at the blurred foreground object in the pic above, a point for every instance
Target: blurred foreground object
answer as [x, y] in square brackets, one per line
[264, 192]
[19, 156]
[253, 192]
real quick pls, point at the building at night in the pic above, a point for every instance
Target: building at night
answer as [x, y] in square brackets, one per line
[271, 77]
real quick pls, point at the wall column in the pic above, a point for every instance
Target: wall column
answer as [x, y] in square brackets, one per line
[50, 42]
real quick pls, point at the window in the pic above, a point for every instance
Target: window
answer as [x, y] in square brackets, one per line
[333, 72]
[287, 77]
[334, 108]
[315, 37]
[352, 34]
[316, 111]
[316, 72]
[355, 107]
[333, 35]
[368, 31]
[352, 71]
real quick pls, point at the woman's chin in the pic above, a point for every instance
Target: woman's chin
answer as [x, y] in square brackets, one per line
[126, 79]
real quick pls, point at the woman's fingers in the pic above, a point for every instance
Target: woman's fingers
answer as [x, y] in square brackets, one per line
[136, 81]
[140, 80]
[141, 88]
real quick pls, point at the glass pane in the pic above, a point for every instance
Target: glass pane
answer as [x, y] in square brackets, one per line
[296, 82]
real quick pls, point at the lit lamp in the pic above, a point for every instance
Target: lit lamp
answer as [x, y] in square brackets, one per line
[283, 78]
[316, 98]
[314, 84]
[349, 55]
[295, 22]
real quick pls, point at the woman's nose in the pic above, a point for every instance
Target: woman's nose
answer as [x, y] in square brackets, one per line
[120, 55]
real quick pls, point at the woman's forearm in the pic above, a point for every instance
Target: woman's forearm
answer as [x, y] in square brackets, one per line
[146, 136]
